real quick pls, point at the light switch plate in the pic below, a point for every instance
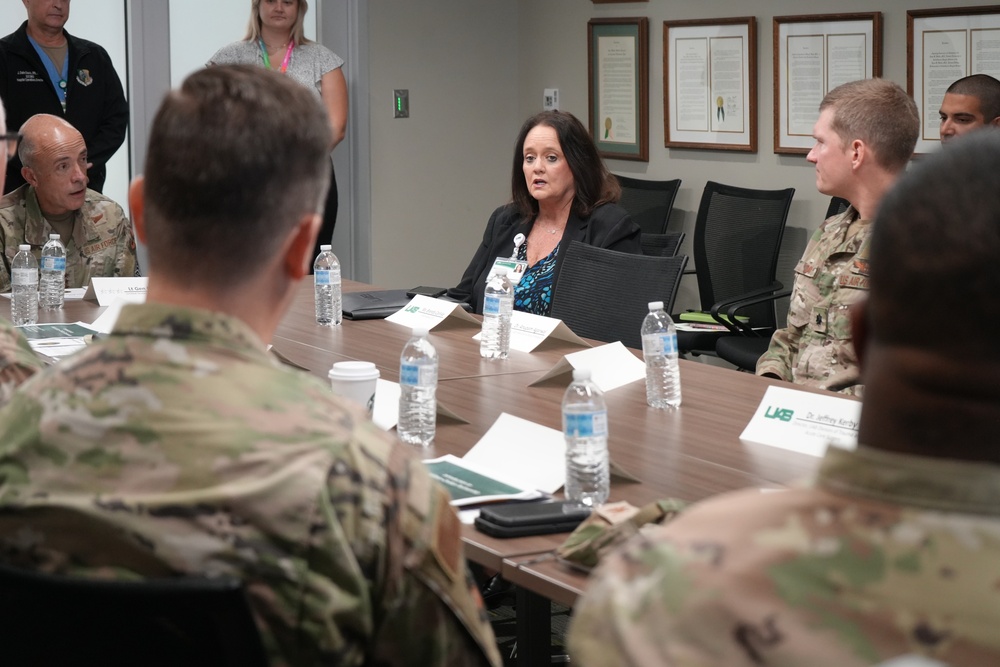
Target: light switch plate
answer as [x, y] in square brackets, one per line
[550, 99]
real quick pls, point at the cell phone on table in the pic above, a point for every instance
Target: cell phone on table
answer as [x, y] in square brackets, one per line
[433, 292]
[522, 519]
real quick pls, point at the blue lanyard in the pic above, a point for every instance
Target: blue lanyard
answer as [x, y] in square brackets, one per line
[58, 78]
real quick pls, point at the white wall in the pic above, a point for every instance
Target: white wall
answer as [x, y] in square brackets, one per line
[101, 21]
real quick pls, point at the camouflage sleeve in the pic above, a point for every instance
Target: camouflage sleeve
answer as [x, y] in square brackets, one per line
[17, 360]
[126, 264]
[4, 261]
[405, 534]
[777, 360]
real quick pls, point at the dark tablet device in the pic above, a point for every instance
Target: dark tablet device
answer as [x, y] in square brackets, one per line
[375, 304]
[521, 519]
[433, 292]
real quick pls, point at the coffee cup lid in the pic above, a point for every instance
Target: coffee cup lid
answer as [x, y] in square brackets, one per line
[354, 370]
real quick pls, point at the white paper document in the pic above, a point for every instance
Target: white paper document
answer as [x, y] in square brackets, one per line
[611, 366]
[106, 322]
[803, 422]
[528, 331]
[385, 412]
[106, 290]
[522, 453]
[423, 311]
[56, 340]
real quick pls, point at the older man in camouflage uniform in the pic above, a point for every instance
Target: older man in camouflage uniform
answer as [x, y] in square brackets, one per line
[17, 361]
[180, 445]
[894, 550]
[95, 230]
[865, 135]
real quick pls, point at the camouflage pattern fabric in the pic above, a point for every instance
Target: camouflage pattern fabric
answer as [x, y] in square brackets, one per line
[179, 445]
[816, 349]
[102, 244]
[17, 361]
[888, 555]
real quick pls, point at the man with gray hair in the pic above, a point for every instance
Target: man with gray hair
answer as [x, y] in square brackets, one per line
[94, 229]
[184, 447]
[865, 136]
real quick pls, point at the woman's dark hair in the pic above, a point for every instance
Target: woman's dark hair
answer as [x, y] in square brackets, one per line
[593, 182]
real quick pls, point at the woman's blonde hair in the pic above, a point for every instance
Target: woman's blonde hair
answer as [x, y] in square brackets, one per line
[298, 32]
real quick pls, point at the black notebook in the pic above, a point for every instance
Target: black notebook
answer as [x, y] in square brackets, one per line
[373, 305]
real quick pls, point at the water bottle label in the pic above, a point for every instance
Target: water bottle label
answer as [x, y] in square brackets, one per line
[586, 424]
[53, 263]
[24, 277]
[418, 375]
[659, 343]
[323, 277]
[491, 305]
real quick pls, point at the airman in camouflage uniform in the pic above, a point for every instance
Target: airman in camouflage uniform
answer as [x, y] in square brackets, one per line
[178, 445]
[815, 349]
[102, 244]
[858, 155]
[17, 361]
[894, 549]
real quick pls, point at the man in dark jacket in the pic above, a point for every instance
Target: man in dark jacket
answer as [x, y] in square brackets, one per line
[43, 69]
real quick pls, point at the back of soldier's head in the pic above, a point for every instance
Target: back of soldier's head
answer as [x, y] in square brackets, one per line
[879, 113]
[237, 156]
[934, 255]
[984, 88]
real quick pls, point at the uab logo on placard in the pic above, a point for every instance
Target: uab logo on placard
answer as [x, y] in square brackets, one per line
[413, 309]
[779, 413]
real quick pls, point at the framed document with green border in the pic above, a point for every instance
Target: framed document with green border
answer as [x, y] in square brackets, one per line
[618, 68]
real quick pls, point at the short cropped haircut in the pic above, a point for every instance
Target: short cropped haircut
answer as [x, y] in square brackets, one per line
[298, 30]
[237, 156]
[594, 184]
[935, 242]
[984, 88]
[879, 113]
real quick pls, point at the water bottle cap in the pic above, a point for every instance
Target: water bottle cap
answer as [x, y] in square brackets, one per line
[655, 305]
[581, 374]
[23, 246]
[420, 332]
[53, 236]
[324, 248]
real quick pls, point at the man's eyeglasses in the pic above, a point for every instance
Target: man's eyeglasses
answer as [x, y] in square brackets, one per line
[10, 142]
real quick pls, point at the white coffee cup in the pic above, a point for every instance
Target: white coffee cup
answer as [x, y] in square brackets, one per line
[355, 380]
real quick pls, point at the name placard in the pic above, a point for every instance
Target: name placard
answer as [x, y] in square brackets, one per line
[803, 422]
[423, 311]
[106, 290]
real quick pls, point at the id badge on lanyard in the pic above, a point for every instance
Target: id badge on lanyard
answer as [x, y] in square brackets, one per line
[516, 267]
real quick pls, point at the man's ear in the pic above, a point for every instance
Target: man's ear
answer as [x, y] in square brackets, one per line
[995, 122]
[28, 174]
[299, 250]
[859, 152]
[137, 206]
[859, 329]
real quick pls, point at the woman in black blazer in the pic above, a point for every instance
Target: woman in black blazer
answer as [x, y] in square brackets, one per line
[561, 192]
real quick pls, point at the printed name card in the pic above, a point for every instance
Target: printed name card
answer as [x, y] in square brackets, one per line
[611, 366]
[528, 331]
[803, 422]
[106, 290]
[423, 311]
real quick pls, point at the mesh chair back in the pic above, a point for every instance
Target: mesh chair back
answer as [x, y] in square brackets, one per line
[736, 242]
[58, 620]
[604, 294]
[661, 245]
[648, 202]
[837, 206]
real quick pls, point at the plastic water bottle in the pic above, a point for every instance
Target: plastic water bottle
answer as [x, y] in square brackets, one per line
[659, 348]
[585, 425]
[24, 287]
[326, 274]
[52, 284]
[498, 306]
[418, 375]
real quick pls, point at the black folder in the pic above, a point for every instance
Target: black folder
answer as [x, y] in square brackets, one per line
[374, 305]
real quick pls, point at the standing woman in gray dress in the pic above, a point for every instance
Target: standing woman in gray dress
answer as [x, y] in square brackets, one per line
[275, 39]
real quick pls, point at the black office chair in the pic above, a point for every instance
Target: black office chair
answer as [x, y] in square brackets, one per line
[604, 294]
[59, 620]
[837, 205]
[661, 245]
[736, 242]
[648, 202]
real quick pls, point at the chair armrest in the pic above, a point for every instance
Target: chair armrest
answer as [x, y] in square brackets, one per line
[731, 306]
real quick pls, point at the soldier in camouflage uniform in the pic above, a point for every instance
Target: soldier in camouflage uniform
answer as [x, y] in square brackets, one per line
[180, 445]
[865, 135]
[894, 549]
[97, 234]
[17, 361]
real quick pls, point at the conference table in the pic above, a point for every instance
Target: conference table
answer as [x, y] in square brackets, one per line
[689, 453]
